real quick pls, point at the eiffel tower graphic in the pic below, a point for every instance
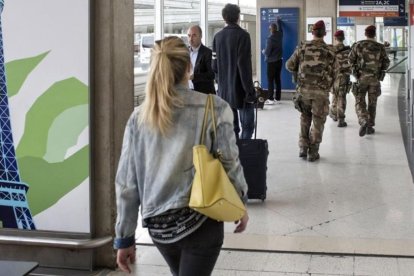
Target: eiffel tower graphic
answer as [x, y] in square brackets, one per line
[14, 209]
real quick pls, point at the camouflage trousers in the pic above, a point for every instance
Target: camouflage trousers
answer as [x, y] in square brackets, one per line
[366, 114]
[312, 119]
[338, 105]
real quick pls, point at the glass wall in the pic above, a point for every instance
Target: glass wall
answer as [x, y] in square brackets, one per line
[144, 21]
[177, 17]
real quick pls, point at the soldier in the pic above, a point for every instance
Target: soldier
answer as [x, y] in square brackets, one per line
[369, 61]
[342, 84]
[312, 64]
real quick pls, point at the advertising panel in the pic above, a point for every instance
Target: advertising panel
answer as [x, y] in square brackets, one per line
[44, 114]
[328, 26]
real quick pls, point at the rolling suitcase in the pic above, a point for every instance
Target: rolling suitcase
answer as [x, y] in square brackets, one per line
[253, 155]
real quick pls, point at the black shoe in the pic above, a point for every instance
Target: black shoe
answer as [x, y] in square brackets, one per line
[303, 152]
[333, 117]
[342, 123]
[370, 130]
[363, 130]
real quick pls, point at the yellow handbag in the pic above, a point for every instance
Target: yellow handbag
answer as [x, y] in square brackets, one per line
[212, 193]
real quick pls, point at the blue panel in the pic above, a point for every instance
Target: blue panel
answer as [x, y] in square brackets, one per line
[395, 21]
[290, 27]
[345, 21]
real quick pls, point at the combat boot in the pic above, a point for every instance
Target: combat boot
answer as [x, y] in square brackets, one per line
[342, 123]
[370, 130]
[363, 129]
[303, 152]
[313, 153]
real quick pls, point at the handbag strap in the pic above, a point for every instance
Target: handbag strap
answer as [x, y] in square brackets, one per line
[208, 109]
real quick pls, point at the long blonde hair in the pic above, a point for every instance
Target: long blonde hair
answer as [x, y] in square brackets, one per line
[170, 59]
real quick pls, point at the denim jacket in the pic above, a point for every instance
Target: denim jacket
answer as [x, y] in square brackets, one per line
[156, 172]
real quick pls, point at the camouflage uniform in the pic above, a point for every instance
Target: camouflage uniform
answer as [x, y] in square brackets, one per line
[312, 63]
[341, 84]
[369, 62]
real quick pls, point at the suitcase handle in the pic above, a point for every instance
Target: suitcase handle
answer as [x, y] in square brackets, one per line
[255, 121]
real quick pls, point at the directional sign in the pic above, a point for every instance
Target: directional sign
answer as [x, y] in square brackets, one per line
[373, 8]
[290, 27]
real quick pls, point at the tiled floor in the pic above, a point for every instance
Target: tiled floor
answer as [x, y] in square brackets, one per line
[238, 263]
[356, 202]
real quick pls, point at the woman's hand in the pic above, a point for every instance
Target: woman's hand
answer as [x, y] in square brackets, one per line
[242, 223]
[122, 257]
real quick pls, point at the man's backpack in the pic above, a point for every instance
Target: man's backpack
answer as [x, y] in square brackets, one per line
[342, 65]
[369, 53]
[314, 65]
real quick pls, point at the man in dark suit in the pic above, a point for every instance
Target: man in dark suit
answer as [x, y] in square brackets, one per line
[202, 78]
[232, 63]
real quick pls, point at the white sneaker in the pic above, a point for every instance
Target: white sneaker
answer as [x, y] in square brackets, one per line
[269, 102]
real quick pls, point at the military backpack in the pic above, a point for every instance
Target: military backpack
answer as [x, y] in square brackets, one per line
[314, 66]
[342, 61]
[370, 54]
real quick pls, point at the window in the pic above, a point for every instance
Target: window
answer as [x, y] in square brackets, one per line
[143, 34]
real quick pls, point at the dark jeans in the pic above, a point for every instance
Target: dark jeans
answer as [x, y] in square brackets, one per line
[273, 76]
[197, 253]
[246, 120]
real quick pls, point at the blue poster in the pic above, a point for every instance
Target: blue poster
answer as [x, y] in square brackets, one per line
[290, 27]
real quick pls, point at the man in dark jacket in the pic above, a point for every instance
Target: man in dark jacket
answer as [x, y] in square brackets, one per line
[273, 56]
[233, 67]
[202, 78]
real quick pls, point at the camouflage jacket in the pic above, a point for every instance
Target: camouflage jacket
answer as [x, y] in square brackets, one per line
[368, 58]
[313, 63]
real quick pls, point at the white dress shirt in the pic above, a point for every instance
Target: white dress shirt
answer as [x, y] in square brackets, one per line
[193, 56]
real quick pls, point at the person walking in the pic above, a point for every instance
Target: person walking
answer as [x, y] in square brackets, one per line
[155, 170]
[232, 64]
[273, 56]
[313, 65]
[342, 83]
[369, 61]
[202, 77]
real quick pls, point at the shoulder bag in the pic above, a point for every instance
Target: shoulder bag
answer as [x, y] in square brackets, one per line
[212, 193]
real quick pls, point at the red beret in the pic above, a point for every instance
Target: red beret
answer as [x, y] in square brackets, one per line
[370, 29]
[320, 25]
[339, 33]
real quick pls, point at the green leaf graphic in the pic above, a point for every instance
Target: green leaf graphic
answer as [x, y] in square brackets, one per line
[52, 128]
[64, 132]
[58, 98]
[17, 72]
[48, 182]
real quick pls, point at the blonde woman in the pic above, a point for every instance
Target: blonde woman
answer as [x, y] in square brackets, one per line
[156, 169]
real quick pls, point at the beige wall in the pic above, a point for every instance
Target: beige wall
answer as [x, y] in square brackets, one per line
[112, 104]
[322, 8]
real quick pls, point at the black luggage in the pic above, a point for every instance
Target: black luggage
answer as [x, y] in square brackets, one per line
[253, 155]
